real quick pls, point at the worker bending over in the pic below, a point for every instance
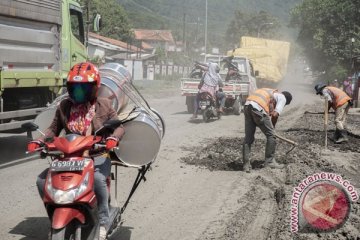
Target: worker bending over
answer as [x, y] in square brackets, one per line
[262, 109]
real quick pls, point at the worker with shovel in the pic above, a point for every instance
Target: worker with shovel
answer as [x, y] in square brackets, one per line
[341, 103]
[262, 109]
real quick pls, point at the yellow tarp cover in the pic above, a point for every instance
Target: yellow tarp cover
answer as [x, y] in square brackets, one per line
[269, 57]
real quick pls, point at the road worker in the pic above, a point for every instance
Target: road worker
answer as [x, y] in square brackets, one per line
[341, 103]
[262, 109]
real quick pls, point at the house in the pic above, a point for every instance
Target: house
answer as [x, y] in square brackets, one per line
[152, 39]
[102, 47]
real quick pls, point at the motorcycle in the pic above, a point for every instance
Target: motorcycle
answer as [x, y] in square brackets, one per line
[208, 106]
[69, 196]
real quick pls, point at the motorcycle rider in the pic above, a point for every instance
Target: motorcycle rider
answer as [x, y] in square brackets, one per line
[83, 113]
[210, 83]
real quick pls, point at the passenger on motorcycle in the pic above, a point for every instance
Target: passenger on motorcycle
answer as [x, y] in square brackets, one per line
[210, 82]
[83, 113]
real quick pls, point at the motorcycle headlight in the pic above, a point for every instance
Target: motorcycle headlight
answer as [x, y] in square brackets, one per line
[65, 197]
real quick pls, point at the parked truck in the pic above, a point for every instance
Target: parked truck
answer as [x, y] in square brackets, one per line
[39, 42]
[269, 58]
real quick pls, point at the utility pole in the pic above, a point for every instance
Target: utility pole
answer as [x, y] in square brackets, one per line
[206, 21]
[351, 47]
[184, 29]
[197, 29]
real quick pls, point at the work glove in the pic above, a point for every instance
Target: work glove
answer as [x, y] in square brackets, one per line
[111, 142]
[33, 145]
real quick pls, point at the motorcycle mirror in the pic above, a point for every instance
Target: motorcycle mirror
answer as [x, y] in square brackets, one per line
[29, 127]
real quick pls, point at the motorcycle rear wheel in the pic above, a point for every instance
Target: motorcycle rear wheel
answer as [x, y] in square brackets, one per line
[206, 116]
[72, 231]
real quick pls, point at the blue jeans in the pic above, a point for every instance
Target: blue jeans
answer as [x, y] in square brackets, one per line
[102, 171]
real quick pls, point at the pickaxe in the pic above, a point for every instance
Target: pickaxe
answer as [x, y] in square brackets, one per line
[288, 141]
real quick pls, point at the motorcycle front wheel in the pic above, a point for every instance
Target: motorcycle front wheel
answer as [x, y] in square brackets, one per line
[72, 231]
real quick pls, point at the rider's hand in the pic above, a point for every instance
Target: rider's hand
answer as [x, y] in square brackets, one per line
[111, 142]
[33, 145]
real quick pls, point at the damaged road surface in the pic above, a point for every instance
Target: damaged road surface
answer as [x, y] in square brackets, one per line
[264, 209]
[197, 189]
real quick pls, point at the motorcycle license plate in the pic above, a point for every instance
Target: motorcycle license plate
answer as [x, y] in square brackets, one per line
[67, 166]
[204, 103]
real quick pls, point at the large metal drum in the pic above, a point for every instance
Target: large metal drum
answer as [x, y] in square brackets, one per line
[141, 142]
[114, 77]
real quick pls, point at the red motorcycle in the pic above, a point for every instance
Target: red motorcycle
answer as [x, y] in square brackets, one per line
[69, 196]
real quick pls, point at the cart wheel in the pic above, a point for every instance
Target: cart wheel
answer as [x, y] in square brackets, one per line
[237, 106]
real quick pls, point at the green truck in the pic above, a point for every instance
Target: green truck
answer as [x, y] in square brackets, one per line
[39, 42]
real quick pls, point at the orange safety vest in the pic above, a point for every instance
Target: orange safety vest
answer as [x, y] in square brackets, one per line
[263, 97]
[339, 97]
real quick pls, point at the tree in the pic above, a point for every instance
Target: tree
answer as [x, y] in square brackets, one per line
[115, 22]
[251, 24]
[326, 29]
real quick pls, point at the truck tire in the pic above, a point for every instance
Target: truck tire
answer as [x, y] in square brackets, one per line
[190, 104]
[237, 106]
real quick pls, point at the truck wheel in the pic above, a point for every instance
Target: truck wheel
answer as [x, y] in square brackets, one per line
[190, 104]
[237, 106]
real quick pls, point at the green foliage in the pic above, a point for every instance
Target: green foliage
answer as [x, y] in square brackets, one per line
[326, 29]
[160, 55]
[115, 22]
[170, 14]
[260, 24]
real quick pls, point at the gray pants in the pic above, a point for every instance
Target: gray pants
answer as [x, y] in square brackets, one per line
[102, 171]
[253, 119]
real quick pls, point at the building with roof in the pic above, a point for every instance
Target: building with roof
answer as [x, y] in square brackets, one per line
[152, 39]
[102, 47]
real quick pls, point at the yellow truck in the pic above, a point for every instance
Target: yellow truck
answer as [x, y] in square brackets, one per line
[269, 58]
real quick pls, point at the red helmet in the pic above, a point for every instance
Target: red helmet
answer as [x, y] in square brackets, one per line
[83, 82]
